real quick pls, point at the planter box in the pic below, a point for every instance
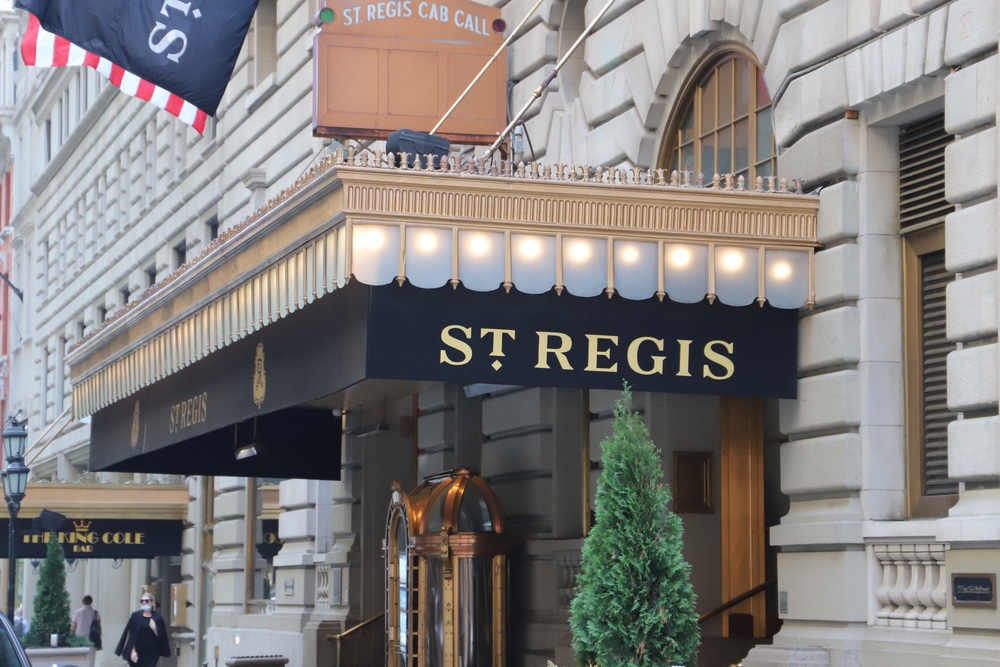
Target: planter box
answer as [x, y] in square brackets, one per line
[81, 656]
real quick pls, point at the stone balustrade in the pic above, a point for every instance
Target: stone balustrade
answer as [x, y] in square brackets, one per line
[322, 586]
[913, 586]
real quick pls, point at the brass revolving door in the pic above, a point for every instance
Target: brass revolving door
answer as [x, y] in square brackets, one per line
[446, 574]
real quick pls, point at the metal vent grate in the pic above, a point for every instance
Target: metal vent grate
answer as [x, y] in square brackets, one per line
[934, 279]
[921, 173]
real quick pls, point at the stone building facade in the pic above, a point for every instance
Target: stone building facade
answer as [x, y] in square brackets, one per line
[881, 479]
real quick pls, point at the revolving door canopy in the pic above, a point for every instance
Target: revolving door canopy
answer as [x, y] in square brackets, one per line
[446, 574]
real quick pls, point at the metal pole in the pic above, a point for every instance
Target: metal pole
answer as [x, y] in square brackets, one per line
[13, 507]
[548, 79]
[496, 55]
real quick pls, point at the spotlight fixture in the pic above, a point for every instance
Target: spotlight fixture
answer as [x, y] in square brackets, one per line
[246, 452]
[482, 388]
[415, 143]
[47, 522]
[371, 428]
[245, 442]
[368, 429]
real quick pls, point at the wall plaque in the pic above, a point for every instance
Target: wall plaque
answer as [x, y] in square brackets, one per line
[974, 590]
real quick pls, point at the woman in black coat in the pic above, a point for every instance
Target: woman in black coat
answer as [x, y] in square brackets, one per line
[144, 639]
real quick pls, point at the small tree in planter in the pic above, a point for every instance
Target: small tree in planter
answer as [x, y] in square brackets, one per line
[634, 603]
[51, 613]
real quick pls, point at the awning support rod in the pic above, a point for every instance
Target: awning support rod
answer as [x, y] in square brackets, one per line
[490, 62]
[49, 434]
[548, 79]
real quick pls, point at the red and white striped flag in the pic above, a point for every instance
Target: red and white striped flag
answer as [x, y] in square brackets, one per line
[43, 49]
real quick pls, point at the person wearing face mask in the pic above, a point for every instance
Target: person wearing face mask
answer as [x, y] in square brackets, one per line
[144, 640]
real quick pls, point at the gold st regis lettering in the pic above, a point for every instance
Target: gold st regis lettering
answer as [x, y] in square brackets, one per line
[594, 351]
[458, 345]
[545, 349]
[718, 358]
[189, 413]
[605, 353]
[633, 356]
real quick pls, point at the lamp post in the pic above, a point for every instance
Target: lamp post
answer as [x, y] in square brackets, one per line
[15, 479]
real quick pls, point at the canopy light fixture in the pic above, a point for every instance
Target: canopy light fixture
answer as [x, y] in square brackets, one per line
[584, 265]
[245, 442]
[246, 452]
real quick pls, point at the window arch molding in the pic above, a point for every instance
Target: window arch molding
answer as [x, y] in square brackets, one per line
[722, 122]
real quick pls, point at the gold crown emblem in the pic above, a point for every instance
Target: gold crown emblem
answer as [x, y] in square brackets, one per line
[81, 526]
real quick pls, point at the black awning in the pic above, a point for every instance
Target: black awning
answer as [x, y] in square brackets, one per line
[101, 538]
[552, 340]
[256, 389]
[247, 393]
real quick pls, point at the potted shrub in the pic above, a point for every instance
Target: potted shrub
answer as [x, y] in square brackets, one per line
[51, 616]
[634, 604]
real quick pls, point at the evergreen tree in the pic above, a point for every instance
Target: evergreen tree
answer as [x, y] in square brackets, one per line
[51, 614]
[634, 604]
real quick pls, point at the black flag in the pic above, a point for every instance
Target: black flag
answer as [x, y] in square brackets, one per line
[187, 48]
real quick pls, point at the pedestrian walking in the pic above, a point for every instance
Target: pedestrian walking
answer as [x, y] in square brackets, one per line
[144, 640]
[87, 622]
[21, 624]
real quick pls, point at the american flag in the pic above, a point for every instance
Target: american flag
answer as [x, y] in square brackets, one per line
[43, 49]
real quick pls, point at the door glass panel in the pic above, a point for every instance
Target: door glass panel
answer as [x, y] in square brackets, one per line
[687, 127]
[725, 93]
[475, 608]
[402, 562]
[708, 155]
[708, 105]
[741, 146]
[474, 513]
[741, 83]
[434, 614]
[765, 137]
[725, 165]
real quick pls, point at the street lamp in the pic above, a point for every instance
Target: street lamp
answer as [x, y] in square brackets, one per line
[15, 479]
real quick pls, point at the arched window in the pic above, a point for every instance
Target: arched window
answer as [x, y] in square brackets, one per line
[724, 122]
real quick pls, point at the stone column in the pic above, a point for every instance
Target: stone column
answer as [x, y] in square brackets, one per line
[228, 562]
[972, 528]
[842, 402]
[534, 459]
[115, 609]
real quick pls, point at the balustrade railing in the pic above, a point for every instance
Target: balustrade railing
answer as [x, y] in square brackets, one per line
[913, 587]
[322, 585]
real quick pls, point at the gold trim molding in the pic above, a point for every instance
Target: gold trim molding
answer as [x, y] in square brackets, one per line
[107, 501]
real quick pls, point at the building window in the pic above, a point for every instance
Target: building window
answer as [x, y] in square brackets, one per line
[212, 227]
[44, 398]
[264, 40]
[724, 124]
[922, 209]
[180, 255]
[60, 378]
